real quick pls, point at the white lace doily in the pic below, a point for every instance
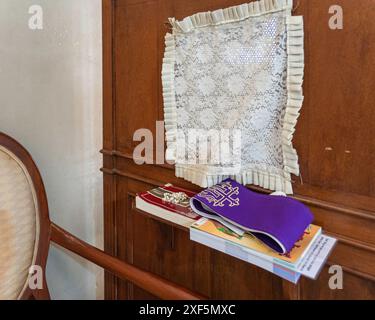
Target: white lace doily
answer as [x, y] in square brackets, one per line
[239, 69]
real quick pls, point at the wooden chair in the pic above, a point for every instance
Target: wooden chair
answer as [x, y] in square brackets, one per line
[26, 232]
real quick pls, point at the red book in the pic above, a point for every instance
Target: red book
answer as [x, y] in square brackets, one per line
[170, 203]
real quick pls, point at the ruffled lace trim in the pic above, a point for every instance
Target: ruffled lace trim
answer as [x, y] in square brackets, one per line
[263, 179]
[295, 38]
[295, 47]
[170, 108]
[228, 15]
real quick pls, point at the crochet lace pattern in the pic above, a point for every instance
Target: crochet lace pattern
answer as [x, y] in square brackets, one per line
[239, 68]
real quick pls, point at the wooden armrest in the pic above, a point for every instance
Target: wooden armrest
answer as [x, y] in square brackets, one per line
[154, 284]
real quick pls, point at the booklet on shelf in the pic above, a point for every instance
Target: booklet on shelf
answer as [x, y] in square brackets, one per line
[307, 257]
[160, 202]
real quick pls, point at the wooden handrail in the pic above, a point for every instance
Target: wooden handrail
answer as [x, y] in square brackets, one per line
[154, 284]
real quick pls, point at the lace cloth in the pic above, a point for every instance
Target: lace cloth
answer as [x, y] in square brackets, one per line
[235, 71]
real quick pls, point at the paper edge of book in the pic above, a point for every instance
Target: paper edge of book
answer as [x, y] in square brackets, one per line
[320, 262]
[266, 264]
[187, 222]
[284, 263]
[176, 218]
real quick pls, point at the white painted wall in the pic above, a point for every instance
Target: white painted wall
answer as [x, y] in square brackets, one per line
[51, 101]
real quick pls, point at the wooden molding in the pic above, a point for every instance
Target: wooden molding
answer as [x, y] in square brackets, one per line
[363, 214]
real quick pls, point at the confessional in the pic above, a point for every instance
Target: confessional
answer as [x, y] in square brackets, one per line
[334, 139]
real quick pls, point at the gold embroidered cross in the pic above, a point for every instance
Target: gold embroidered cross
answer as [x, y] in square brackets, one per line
[221, 194]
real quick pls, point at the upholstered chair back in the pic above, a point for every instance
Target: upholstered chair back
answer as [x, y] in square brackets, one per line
[19, 226]
[26, 233]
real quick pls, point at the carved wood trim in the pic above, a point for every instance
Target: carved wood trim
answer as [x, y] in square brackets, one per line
[306, 200]
[129, 156]
[354, 272]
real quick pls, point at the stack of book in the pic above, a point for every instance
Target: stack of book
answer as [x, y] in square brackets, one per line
[156, 202]
[306, 258]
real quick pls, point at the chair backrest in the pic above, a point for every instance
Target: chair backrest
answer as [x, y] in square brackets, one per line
[26, 232]
[20, 220]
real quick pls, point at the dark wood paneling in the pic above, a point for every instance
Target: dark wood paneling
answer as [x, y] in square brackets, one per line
[108, 141]
[174, 257]
[167, 251]
[334, 139]
[136, 52]
[355, 286]
[341, 113]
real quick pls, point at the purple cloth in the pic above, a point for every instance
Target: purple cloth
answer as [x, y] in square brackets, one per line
[277, 221]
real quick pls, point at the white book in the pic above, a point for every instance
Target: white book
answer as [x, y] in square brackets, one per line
[154, 202]
[163, 213]
[248, 241]
[241, 253]
[310, 265]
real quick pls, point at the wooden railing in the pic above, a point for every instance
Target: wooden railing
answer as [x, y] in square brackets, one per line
[154, 284]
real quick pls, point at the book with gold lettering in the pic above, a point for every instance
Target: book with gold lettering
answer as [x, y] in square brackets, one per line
[170, 203]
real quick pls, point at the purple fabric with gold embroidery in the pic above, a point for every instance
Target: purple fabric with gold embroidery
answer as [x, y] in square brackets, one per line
[277, 221]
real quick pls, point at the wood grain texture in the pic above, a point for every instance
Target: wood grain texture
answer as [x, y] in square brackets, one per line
[108, 139]
[334, 139]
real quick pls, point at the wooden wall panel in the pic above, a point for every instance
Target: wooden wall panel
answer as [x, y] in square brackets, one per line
[167, 251]
[108, 142]
[355, 287]
[334, 138]
[341, 113]
[136, 52]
